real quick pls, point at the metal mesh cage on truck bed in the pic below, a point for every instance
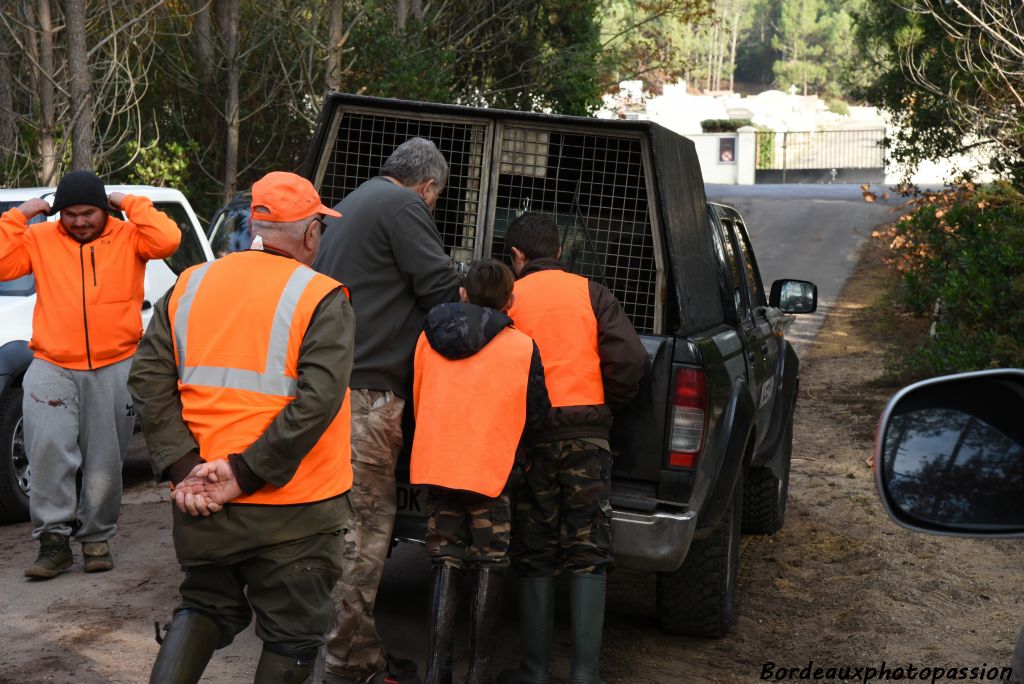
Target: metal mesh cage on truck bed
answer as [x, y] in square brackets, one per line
[363, 141]
[595, 184]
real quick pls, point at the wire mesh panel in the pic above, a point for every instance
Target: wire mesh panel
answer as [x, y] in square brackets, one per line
[364, 140]
[595, 187]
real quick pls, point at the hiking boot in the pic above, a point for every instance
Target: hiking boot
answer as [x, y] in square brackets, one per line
[54, 557]
[96, 557]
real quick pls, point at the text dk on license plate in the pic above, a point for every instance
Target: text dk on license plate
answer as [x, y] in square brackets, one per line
[411, 499]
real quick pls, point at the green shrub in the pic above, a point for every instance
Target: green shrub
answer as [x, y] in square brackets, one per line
[723, 125]
[765, 149]
[839, 107]
[961, 258]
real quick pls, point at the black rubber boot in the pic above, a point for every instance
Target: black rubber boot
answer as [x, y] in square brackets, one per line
[275, 668]
[586, 610]
[444, 600]
[191, 639]
[483, 625]
[536, 626]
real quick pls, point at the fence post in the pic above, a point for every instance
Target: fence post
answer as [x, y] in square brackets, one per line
[746, 155]
[785, 134]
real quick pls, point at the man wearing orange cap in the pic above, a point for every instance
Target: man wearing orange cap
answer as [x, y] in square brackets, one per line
[244, 403]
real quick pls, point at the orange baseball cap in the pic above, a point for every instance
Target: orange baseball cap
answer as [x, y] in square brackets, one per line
[280, 197]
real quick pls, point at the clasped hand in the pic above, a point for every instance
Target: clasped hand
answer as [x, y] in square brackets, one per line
[206, 489]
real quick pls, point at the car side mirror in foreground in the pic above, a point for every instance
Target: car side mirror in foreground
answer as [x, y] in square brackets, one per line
[949, 455]
[794, 296]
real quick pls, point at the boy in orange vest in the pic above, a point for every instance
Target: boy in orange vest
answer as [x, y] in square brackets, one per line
[470, 361]
[594, 362]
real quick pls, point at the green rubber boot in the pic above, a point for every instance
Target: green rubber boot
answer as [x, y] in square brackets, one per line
[536, 626]
[586, 609]
[275, 668]
[191, 639]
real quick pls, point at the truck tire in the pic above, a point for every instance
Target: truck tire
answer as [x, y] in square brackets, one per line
[15, 479]
[764, 494]
[698, 599]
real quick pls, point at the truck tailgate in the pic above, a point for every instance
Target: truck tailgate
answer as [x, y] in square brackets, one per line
[640, 429]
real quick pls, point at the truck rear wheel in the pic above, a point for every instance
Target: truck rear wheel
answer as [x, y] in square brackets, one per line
[764, 494]
[15, 479]
[698, 599]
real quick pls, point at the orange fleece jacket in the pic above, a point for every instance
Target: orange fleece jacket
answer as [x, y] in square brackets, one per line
[88, 310]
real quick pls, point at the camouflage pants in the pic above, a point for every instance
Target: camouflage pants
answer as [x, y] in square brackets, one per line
[354, 648]
[466, 528]
[563, 510]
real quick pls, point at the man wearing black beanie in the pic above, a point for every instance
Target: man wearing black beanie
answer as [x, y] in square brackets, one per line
[78, 416]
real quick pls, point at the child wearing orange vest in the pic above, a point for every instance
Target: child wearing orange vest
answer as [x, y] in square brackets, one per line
[594, 361]
[470, 361]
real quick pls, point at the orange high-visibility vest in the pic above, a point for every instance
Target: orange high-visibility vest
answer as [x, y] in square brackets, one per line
[470, 414]
[237, 325]
[553, 307]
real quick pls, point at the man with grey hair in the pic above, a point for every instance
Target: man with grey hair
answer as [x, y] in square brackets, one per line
[386, 248]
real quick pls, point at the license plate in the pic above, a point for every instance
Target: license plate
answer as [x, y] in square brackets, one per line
[412, 500]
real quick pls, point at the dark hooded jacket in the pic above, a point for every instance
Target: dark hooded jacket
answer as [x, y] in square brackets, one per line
[623, 365]
[458, 331]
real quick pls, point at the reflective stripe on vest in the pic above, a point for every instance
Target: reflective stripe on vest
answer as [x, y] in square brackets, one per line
[470, 414]
[237, 325]
[273, 379]
[554, 308]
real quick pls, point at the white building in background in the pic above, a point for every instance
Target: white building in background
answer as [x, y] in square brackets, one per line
[775, 110]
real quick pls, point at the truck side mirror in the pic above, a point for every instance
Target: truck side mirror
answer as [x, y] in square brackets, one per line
[949, 455]
[794, 296]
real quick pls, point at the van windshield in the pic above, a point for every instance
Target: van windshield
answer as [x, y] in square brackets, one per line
[190, 251]
[26, 284]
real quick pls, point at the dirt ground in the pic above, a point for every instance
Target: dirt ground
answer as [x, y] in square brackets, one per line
[839, 587]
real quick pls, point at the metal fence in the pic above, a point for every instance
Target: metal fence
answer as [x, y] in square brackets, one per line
[842, 149]
[363, 141]
[595, 185]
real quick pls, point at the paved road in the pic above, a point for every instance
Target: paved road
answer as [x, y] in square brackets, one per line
[811, 232]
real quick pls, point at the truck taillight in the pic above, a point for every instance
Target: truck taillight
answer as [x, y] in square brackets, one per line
[689, 417]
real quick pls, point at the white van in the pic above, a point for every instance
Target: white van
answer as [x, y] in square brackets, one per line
[17, 301]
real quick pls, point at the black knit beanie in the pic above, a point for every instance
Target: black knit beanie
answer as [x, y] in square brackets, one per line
[80, 187]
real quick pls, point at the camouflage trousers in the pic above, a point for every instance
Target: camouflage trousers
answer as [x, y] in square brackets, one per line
[466, 528]
[353, 647]
[563, 510]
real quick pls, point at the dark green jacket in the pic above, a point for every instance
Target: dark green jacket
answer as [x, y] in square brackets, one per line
[386, 249]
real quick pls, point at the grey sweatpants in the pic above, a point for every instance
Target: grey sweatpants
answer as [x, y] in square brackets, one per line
[76, 419]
